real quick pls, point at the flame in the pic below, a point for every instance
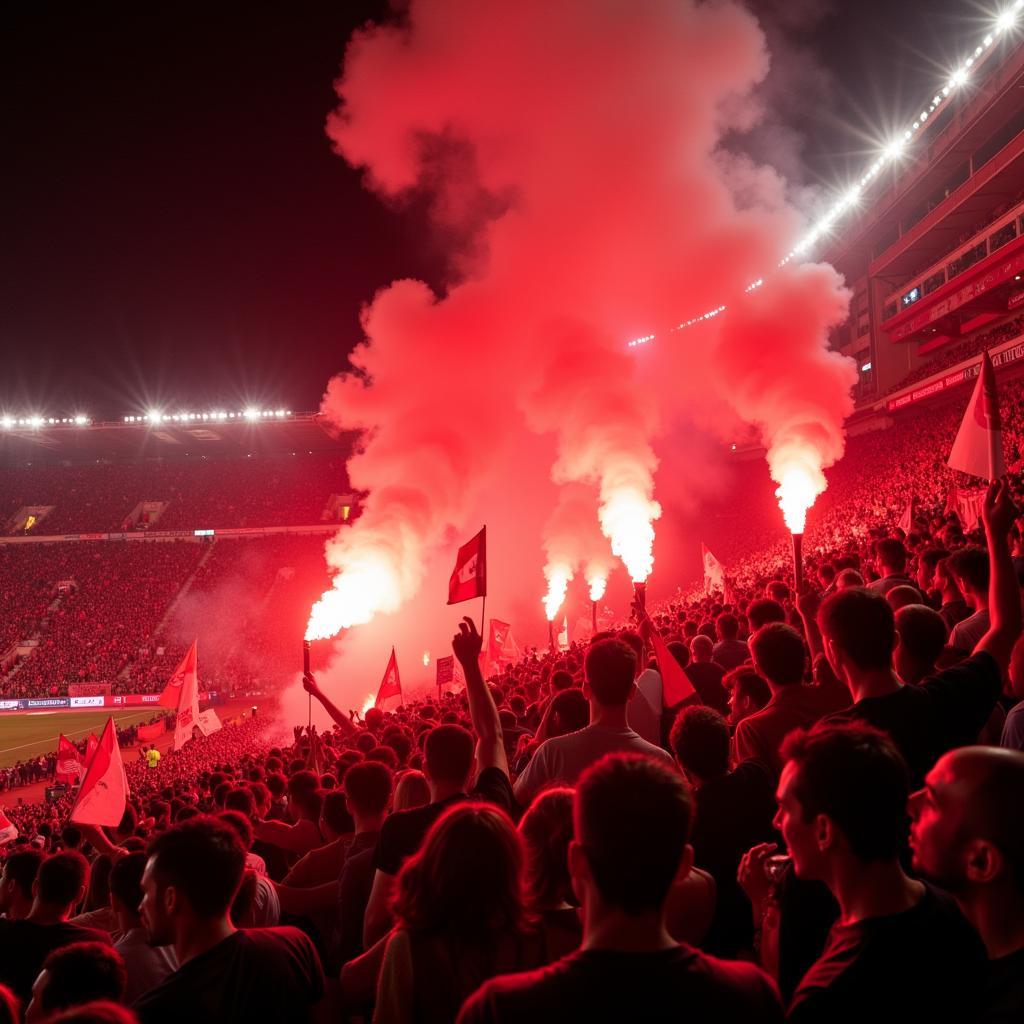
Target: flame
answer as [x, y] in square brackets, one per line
[371, 701]
[426, 658]
[558, 575]
[796, 492]
[597, 587]
[369, 584]
[627, 519]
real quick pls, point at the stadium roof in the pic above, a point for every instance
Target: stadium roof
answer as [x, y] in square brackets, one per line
[120, 442]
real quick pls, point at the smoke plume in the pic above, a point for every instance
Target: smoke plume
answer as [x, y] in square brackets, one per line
[573, 156]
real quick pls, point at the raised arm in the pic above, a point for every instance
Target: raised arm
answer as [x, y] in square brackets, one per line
[807, 604]
[310, 685]
[490, 748]
[998, 514]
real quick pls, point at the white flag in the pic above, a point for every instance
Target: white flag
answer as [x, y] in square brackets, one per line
[978, 448]
[714, 571]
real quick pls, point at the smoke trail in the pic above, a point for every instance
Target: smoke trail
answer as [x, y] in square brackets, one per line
[782, 377]
[573, 155]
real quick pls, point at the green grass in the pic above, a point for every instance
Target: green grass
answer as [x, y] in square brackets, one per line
[25, 735]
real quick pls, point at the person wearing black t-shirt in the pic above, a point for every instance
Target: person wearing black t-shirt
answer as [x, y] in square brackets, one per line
[58, 888]
[967, 835]
[734, 811]
[192, 874]
[449, 765]
[632, 817]
[856, 631]
[899, 950]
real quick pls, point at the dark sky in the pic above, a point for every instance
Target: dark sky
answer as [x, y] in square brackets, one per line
[174, 228]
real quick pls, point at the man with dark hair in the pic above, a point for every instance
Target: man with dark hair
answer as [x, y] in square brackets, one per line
[323, 864]
[892, 565]
[952, 606]
[338, 905]
[58, 888]
[945, 710]
[921, 638]
[898, 944]
[927, 560]
[19, 872]
[631, 822]
[450, 767]
[146, 965]
[733, 813]
[192, 875]
[610, 669]
[968, 836]
[706, 674]
[729, 652]
[764, 610]
[780, 658]
[969, 568]
[76, 974]
[748, 692]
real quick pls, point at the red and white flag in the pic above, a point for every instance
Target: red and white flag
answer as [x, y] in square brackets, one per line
[907, 519]
[502, 648]
[675, 683]
[563, 636]
[8, 830]
[714, 571]
[469, 579]
[103, 795]
[978, 448]
[171, 696]
[391, 684]
[69, 764]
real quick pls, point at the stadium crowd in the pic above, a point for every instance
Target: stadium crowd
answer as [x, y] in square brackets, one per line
[828, 829]
[200, 493]
[953, 354]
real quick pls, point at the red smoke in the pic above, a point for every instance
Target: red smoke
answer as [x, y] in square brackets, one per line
[574, 153]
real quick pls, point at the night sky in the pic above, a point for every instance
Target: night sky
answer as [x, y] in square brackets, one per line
[175, 230]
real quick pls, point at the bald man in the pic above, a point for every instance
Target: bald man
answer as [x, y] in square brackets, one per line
[968, 836]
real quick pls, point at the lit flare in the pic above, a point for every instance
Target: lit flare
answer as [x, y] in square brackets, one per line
[558, 575]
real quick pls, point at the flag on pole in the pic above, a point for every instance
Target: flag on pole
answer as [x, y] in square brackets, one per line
[502, 648]
[8, 830]
[69, 764]
[90, 748]
[469, 579]
[907, 519]
[978, 448]
[714, 571]
[675, 683]
[563, 636]
[103, 795]
[171, 696]
[152, 732]
[391, 684]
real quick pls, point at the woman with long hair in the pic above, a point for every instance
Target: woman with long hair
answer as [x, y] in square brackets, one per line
[461, 917]
[546, 830]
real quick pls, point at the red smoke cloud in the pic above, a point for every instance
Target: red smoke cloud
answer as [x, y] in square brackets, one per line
[574, 152]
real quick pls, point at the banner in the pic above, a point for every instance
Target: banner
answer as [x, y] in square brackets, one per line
[171, 697]
[88, 689]
[445, 670]
[153, 731]
[714, 573]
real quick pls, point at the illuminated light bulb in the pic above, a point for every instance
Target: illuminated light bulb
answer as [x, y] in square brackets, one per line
[251, 413]
[7, 422]
[1006, 20]
[80, 421]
